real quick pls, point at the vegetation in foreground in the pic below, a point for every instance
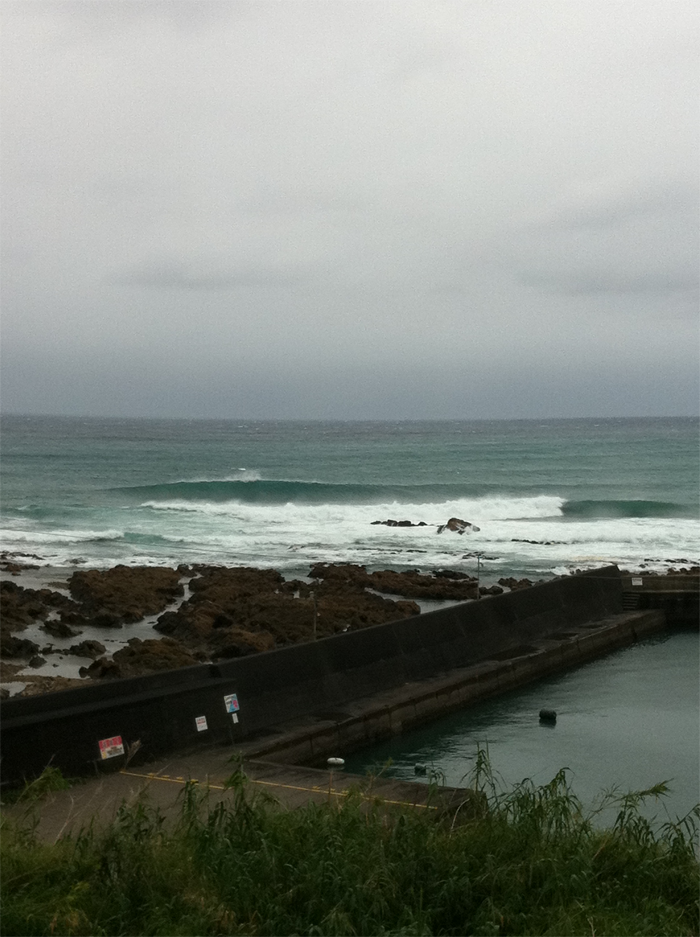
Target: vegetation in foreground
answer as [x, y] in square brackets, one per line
[527, 862]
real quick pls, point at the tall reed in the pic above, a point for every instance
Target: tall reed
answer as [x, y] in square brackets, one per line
[527, 861]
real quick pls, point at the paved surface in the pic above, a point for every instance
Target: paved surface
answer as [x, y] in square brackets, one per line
[161, 784]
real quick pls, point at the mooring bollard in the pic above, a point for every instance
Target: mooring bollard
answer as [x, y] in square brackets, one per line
[333, 763]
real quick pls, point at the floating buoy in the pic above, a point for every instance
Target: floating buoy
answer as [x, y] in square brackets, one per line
[548, 715]
[336, 762]
[420, 769]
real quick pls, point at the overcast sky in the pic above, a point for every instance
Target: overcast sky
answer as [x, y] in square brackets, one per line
[350, 210]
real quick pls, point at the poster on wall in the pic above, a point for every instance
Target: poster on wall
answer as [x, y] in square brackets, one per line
[201, 723]
[110, 748]
[231, 703]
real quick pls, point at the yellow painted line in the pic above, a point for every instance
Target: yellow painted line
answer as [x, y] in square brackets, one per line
[289, 787]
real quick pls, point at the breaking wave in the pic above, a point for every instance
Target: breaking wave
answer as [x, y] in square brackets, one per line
[263, 491]
[613, 509]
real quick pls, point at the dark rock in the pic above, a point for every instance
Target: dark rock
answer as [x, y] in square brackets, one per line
[540, 543]
[124, 593]
[4, 693]
[457, 525]
[10, 646]
[237, 643]
[87, 649]
[59, 629]
[390, 522]
[239, 611]
[142, 657]
[418, 586]
[340, 572]
[37, 685]
[237, 582]
[410, 583]
[515, 584]
[490, 590]
[37, 661]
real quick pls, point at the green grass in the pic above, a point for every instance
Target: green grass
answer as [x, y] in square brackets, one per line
[527, 862]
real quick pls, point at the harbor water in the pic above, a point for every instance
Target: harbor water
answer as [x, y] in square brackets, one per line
[626, 722]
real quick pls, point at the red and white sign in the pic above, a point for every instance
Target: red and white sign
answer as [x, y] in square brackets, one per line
[110, 748]
[201, 723]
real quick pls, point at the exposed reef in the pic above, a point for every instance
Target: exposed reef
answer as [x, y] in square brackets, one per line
[228, 612]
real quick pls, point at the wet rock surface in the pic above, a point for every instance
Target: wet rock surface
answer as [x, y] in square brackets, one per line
[458, 526]
[515, 584]
[11, 646]
[38, 685]
[92, 649]
[124, 593]
[410, 583]
[227, 613]
[22, 607]
[491, 590]
[233, 612]
[141, 657]
[59, 629]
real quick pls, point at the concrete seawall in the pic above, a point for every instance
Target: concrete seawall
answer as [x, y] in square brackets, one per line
[311, 740]
[303, 702]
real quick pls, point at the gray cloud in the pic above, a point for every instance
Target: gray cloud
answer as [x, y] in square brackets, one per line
[295, 200]
[87, 18]
[599, 281]
[617, 238]
[176, 275]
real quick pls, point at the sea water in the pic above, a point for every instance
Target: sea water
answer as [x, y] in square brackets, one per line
[548, 496]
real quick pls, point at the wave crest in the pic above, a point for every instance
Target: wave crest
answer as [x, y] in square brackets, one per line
[616, 509]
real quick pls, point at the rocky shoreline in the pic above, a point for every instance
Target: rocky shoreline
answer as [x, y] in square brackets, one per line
[78, 622]
[63, 627]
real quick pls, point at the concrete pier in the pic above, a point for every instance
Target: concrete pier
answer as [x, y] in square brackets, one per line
[311, 740]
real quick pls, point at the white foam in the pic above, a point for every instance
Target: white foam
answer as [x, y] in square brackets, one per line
[292, 536]
[472, 509]
[59, 536]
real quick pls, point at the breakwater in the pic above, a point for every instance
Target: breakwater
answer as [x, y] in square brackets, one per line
[302, 702]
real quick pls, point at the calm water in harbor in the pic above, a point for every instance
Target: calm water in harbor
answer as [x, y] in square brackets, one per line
[628, 720]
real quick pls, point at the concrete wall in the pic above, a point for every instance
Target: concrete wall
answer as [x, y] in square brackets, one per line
[318, 678]
[677, 596]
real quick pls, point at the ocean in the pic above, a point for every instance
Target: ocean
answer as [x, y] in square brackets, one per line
[548, 496]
